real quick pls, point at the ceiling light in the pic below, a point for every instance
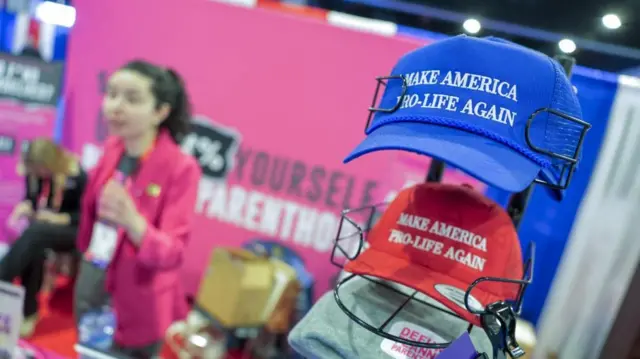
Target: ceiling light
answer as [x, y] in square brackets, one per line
[56, 14]
[567, 46]
[472, 26]
[611, 21]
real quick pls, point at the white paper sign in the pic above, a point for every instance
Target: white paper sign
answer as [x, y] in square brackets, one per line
[414, 333]
[11, 302]
[103, 243]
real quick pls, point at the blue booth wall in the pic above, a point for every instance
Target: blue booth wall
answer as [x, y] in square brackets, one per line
[546, 222]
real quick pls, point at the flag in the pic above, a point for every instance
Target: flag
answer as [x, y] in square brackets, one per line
[41, 31]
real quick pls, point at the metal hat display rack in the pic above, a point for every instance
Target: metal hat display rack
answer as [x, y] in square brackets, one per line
[498, 319]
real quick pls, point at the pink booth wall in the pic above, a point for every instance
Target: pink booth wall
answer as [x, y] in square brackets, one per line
[291, 92]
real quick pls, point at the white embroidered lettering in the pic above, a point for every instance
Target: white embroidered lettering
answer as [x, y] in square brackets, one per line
[429, 242]
[479, 108]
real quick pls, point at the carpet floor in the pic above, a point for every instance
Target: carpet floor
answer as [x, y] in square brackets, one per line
[56, 330]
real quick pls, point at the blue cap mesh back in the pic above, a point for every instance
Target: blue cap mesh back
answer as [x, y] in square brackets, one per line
[561, 135]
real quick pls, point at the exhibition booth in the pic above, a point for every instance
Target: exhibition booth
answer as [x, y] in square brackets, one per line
[281, 96]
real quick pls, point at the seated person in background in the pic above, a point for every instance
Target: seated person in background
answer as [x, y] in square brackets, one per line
[54, 185]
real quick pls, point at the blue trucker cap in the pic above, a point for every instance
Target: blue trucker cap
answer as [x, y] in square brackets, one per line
[466, 101]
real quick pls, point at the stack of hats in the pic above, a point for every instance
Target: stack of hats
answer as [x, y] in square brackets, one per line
[327, 333]
[503, 114]
[434, 238]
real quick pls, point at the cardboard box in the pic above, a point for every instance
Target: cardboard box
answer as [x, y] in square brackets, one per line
[278, 250]
[236, 288]
[281, 308]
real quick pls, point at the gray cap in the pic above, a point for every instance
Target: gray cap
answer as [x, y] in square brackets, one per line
[326, 332]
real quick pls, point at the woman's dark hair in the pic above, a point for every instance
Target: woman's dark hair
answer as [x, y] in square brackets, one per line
[167, 87]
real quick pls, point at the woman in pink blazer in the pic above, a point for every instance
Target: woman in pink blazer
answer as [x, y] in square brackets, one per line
[138, 209]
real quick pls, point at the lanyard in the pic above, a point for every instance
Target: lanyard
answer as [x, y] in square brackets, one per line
[104, 234]
[43, 198]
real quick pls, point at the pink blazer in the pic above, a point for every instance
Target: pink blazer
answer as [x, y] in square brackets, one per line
[144, 282]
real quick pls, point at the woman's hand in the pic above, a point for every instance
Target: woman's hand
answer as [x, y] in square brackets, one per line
[48, 216]
[117, 206]
[22, 209]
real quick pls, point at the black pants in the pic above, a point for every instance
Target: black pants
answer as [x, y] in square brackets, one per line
[26, 258]
[90, 293]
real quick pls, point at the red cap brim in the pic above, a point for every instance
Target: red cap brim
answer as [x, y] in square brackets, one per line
[382, 265]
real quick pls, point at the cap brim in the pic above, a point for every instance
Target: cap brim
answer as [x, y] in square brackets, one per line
[419, 278]
[480, 157]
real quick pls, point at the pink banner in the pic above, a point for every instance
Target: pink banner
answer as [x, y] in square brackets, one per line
[280, 100]
[29, 92]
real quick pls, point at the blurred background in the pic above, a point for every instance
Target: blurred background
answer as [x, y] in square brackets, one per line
[292, 81]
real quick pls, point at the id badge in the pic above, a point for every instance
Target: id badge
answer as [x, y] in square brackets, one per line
[103, 244]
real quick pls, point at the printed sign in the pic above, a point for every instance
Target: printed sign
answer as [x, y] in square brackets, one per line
[11, 302]
[213, 145]
[413, 332]
[29, 80]
[270, 136]
[29, 93]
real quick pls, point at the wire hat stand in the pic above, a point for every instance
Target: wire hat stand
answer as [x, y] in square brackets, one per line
[498, 319]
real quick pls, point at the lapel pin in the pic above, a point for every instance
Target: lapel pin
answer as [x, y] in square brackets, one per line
[153, 190]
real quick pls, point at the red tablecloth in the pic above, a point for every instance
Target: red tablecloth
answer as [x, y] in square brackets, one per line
[178, 340]
[167, 353]
[39, 352]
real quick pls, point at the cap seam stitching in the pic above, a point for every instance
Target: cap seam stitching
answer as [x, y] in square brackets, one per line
[553, 93]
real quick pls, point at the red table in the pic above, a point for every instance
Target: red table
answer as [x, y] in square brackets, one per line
[39, 352]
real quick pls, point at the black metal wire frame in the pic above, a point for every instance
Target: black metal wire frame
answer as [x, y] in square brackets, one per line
[360, 234]
[381, 83]
[568, 164]
[436, 171]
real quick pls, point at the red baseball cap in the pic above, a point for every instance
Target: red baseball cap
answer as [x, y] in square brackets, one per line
[438, 239]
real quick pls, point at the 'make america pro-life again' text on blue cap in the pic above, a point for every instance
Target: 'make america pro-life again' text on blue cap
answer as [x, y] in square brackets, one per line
[470, 106]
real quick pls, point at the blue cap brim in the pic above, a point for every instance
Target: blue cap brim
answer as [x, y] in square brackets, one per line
[480, 157]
